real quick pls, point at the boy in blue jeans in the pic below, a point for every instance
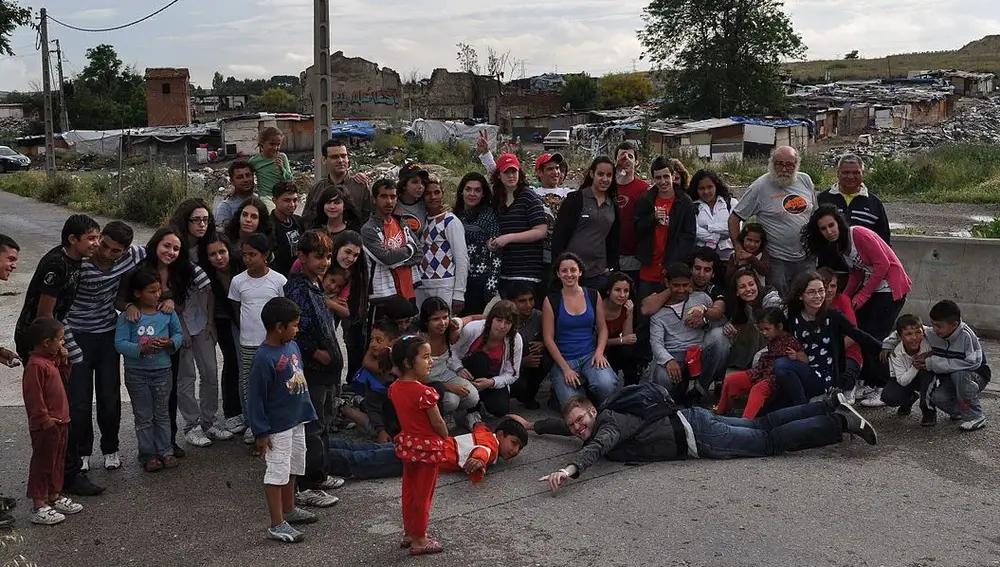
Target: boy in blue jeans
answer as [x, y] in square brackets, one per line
[278, 407]
[957, 362]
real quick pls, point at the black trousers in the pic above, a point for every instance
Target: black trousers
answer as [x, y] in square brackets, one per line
[318, 434]
[529, 380]
[877, 318]
[230, 367]
[99, 373]
[496, 401]
[894, 395]
[623, 358]
[354, 338]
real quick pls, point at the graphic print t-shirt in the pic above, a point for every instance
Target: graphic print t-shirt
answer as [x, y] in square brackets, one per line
[58, 276]
[395, 238]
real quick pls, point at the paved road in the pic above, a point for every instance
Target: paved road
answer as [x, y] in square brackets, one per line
[923, 497]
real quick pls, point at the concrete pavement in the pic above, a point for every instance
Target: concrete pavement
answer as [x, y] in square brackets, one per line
[922, 497]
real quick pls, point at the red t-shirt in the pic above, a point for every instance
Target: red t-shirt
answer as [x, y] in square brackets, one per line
[842, 303]
[417, 442]
[396, 238]
[653, 272]
[617, 326]
[628, 198]
[495, 355]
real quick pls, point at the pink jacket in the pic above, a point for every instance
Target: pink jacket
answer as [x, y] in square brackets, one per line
[885, 265]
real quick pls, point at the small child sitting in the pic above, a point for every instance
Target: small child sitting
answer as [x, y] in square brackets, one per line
[44, 389]
[759, 381]
[908, 383]
[752, 240]
[957, 363]
[372, 382]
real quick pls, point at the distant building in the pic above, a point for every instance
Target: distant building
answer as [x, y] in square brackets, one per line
[12, 111]
[168, 97]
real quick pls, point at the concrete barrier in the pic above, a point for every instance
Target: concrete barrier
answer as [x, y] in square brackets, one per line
[965, 270]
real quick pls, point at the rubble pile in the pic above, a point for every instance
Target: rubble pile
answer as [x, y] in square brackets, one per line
[977, 123]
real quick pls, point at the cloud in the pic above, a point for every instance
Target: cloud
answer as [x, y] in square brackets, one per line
[248, 70]
[93, 14]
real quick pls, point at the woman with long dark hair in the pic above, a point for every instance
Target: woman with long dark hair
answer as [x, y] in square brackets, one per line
[349, 255]
[714, 204]
[523, 225]
[748, 297]
[877, 285]
[460, 397]
[335, 213]
[589, 217]
[473, 207]
[491, 352]
[223, 264]
[251, 217]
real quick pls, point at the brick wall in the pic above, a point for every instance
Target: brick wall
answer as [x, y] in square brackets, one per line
[168, 97]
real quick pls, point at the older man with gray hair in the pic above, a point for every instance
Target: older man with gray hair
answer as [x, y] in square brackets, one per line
[850, 195]
[781, 200]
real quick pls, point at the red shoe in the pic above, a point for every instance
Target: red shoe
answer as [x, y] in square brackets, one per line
[153, 464]
[432, 546]
[170, 462]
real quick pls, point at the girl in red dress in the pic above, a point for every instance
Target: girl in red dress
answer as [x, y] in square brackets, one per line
[420, 444]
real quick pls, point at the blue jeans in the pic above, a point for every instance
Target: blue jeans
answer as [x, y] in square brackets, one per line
[364, 460]
[789, 429]
[957, 394]
[796, 381]
[596, 383]
[149, 389]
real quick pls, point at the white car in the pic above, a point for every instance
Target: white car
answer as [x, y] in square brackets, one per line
[556, 139]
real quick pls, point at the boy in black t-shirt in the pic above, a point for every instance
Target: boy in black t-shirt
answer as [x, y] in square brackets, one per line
[288, 228]
[53, 286]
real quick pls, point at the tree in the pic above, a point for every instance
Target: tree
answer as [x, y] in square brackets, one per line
[12, 16]
[727, 54]
[852, 55]
[496, 62]
[580, 92]
[468, 59]
[624, 89]
[275, 99]
[107, 94]
[217, 83]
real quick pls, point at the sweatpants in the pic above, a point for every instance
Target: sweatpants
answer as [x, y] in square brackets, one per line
[200, 411]
[246, 363]
[419, 482]
[45, 470]
[737, 385]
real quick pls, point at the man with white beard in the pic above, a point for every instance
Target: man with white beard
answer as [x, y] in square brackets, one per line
[781, 200]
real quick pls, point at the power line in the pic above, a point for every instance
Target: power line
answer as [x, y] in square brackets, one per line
[115, 28]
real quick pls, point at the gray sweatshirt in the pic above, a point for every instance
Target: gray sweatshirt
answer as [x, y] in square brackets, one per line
[668, 333]
[958, 351]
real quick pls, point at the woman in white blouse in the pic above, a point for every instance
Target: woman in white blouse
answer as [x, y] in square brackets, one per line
[714, 203]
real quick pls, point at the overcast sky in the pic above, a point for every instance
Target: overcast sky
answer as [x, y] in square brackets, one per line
[261, 38]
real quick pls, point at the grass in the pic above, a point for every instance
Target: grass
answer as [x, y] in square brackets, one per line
[982, 55]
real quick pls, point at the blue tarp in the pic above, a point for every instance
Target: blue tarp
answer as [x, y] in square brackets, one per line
[762, 122]
[357, 128]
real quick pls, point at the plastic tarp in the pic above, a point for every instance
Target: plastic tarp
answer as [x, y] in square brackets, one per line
[762, 122]
[354, 128]
[105, 142]
[441, 131]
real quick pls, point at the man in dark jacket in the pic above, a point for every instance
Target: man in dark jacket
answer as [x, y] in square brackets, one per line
[698, 433]
[858, 205]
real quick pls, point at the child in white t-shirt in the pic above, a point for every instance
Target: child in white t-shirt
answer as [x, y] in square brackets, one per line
[250, 291]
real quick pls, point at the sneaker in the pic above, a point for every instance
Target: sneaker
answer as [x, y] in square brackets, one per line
[973, 424]
[7, 503]
[449, 422]
[315, 498]
[248, 437]
[904, 411]
[81, 486]
[854, 423]
[153, 464]
[46, 516]
[219, 433]
[873, 399]
[849, 394]
[928, 418]
[170, 462]
[300, 516]
[862, 392]
[6, 520]
[66, 506]
[331, 482]
[179, 452]
[285, 533]
[472, 418]
[112, 462]
[197, 437]
[84, 464]
[235, 425]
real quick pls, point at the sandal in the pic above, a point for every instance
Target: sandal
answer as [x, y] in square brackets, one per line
[254, 452]
[432, 546]
[406, 542]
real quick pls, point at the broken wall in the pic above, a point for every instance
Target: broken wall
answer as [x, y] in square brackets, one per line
[455, 96]
[359, 89]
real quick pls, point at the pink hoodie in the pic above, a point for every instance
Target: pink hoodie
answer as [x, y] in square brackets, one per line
[885, 265]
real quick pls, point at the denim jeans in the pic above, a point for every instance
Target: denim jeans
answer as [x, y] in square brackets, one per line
[957, 394]
[796, 381]
[714, 352]
[789, 429]
[98, 373]
[364, 460]
[149, 390]
[596, 383]
[784, 271]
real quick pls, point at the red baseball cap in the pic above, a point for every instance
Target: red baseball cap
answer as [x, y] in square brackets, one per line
[546, 158]
[507, 161]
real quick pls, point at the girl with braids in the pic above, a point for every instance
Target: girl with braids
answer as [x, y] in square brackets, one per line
[490, 351]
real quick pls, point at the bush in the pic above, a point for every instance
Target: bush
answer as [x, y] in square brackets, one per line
[152, 196]
[990, 229]
[23, 183]
[57, 190]
[814, 166]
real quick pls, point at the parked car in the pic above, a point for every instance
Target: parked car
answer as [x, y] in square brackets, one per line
[556, 139]
[13, 161]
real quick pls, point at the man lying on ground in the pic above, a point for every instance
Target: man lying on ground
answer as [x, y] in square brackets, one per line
[643, 424]
[472, 453]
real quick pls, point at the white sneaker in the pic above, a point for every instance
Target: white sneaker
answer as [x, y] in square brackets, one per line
[315, 498]
[46, 516]
[849, 395]
[235, 425]
[84, 464]
[472, 418]
[112, 461]
[973, 424]
[874, 399]
[66, 506]
[331, 482]
[219, 433]
[248, 437]
[197, 437]
[862, 392]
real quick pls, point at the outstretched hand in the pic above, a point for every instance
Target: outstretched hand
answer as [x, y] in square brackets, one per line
[556, 479]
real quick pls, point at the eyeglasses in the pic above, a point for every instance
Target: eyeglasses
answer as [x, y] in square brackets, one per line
[814, 292]
[785, 164]
[198, 220]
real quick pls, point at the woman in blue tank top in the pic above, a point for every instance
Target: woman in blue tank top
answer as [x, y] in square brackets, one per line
[575, 334]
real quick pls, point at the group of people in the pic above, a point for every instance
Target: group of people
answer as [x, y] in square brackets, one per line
[656, 312]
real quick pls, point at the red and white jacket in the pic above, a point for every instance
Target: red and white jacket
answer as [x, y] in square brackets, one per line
[481, 444]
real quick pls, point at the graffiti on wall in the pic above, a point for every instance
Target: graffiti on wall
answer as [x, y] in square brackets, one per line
[360, 98]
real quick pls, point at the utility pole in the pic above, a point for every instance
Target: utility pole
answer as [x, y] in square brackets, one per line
[50, 146]
[320, 84]
[63, 113]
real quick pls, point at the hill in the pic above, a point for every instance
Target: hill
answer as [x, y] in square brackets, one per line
[980, 55]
